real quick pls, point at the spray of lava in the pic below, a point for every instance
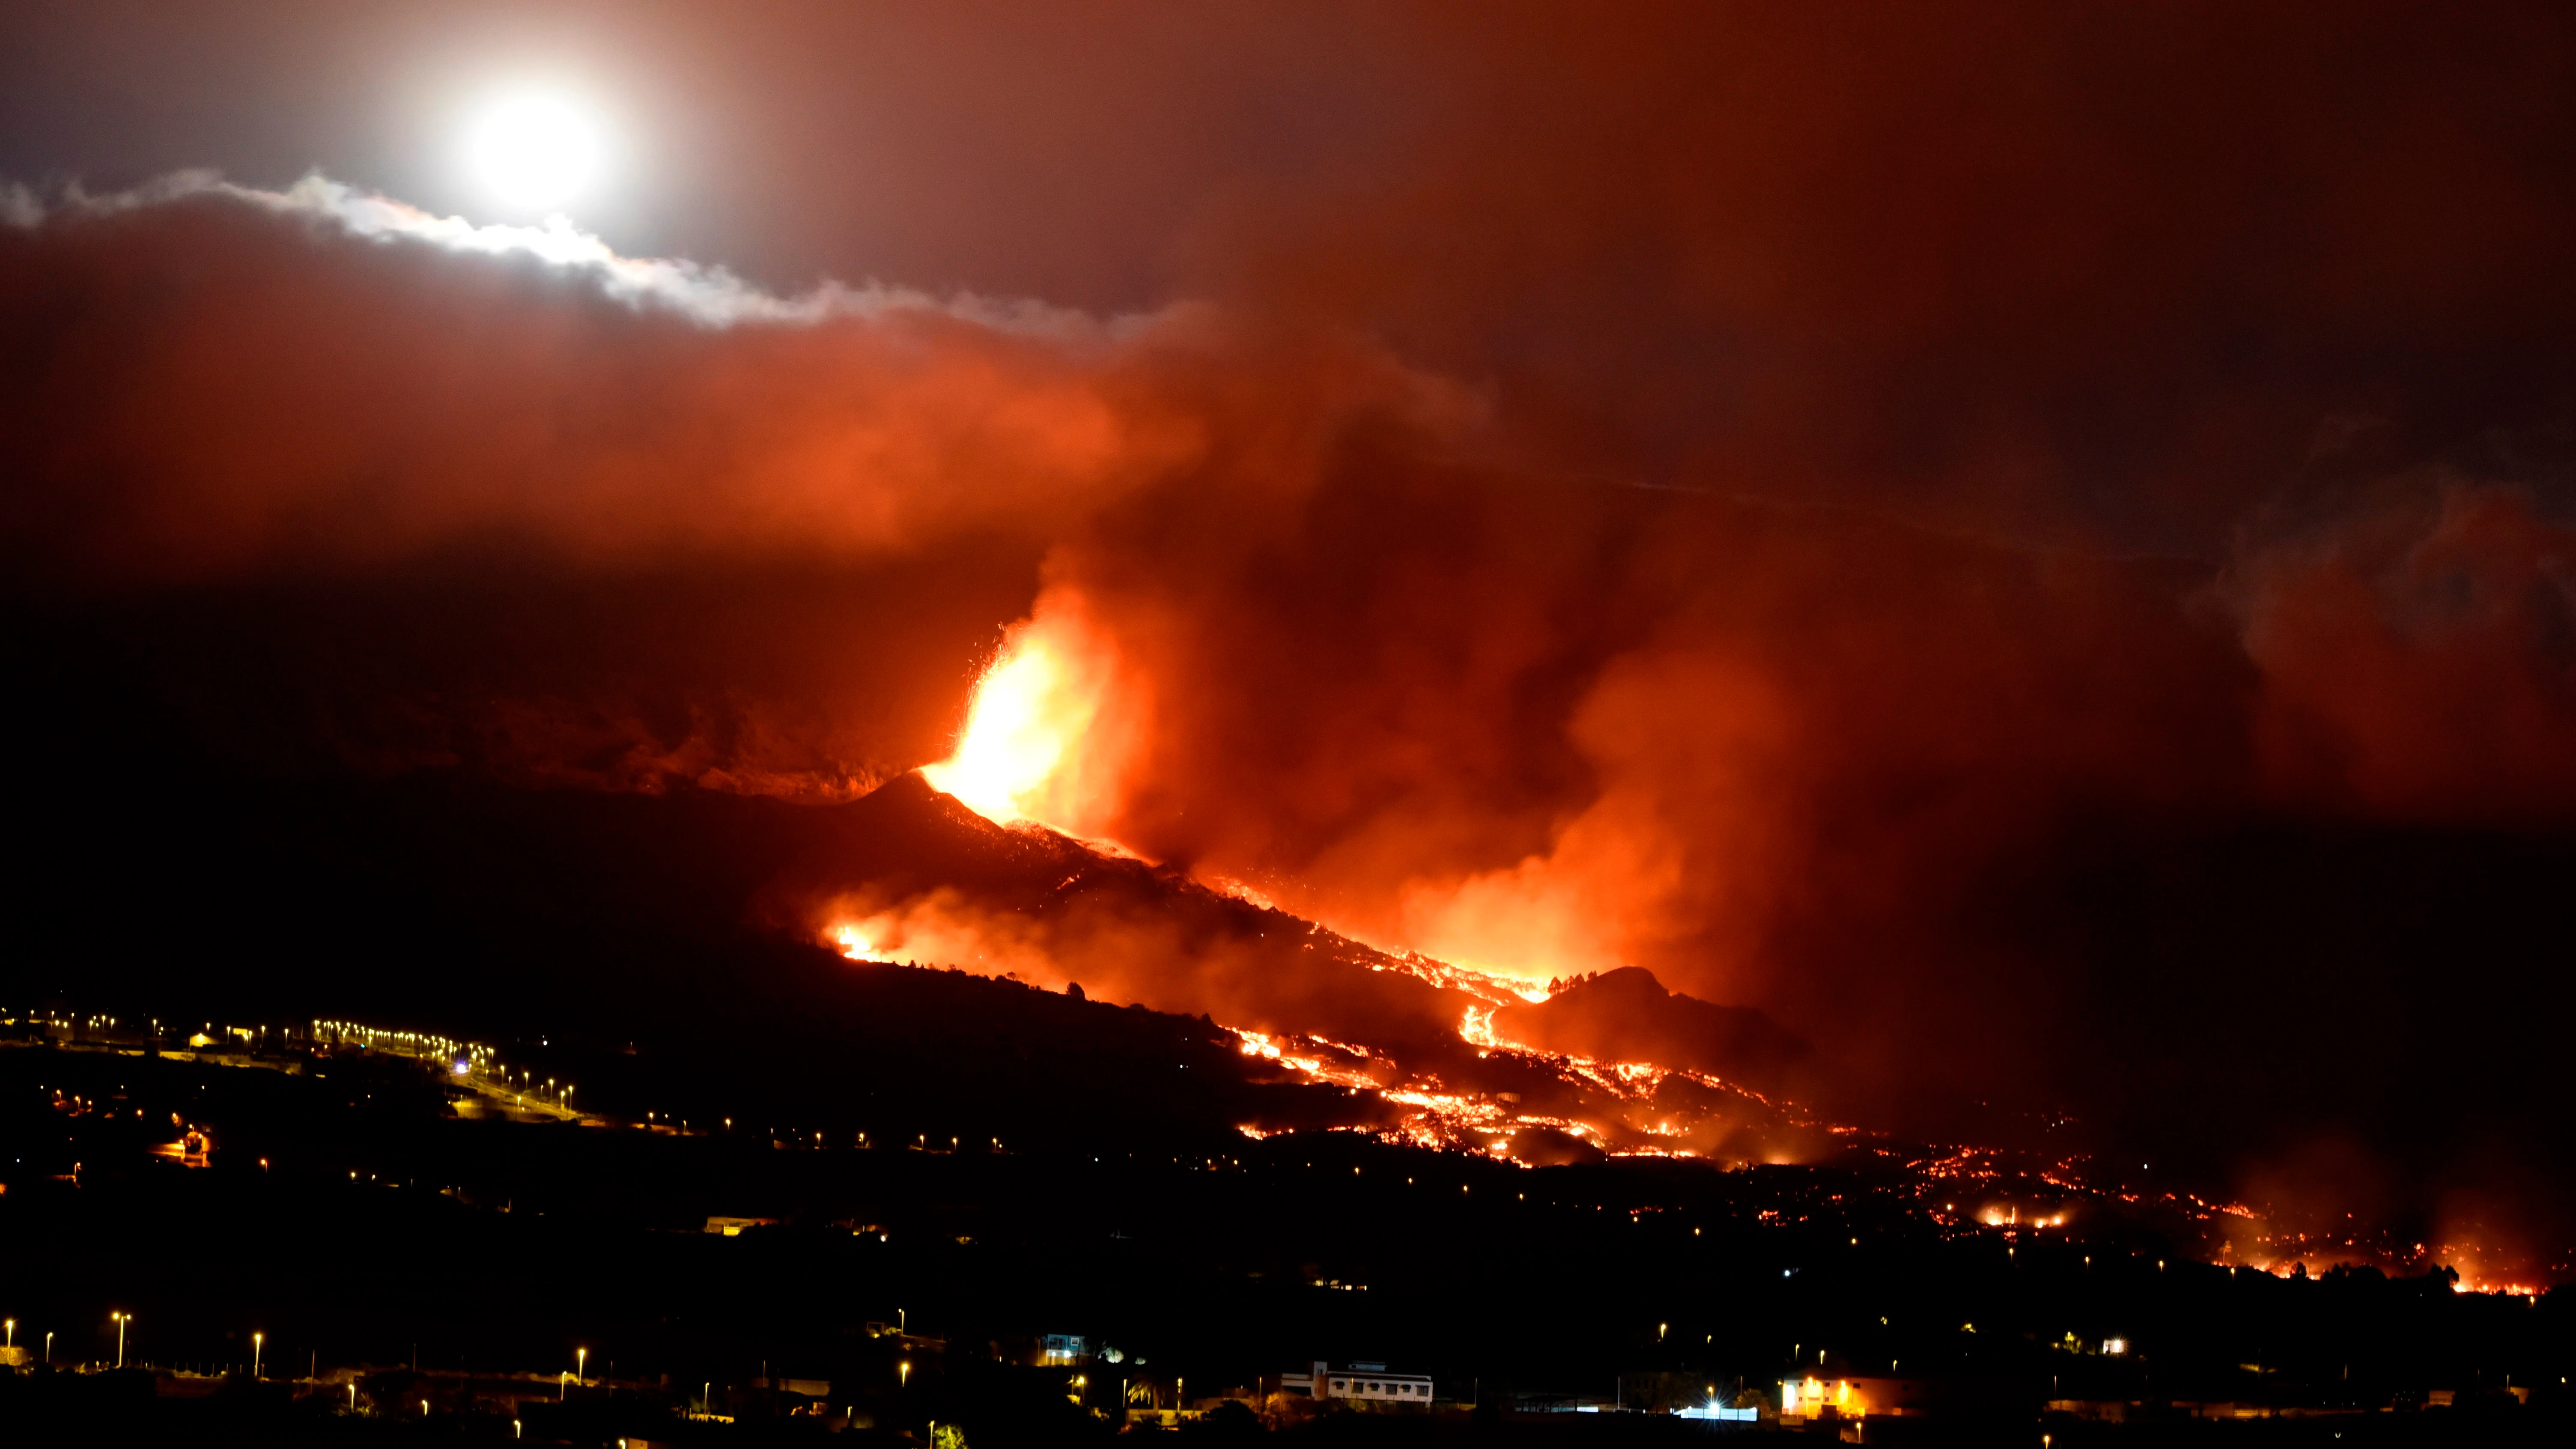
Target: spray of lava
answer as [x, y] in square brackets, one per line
[1039, 744]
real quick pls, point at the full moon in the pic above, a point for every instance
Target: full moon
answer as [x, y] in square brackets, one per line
[536, 152]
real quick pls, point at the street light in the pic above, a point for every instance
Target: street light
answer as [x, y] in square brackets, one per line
[256, 1340]
[580, 1365]
[903, 1374]
[122, 1319]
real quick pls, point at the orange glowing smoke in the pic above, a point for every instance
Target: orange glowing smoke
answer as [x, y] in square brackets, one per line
[1041, 742]
[942, 929]
[1056, 734]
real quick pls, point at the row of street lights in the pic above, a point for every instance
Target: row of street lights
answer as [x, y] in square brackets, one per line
[9, 1339]
[259, 1343]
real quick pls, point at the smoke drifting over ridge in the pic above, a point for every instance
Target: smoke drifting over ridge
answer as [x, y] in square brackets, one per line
[1768, 500]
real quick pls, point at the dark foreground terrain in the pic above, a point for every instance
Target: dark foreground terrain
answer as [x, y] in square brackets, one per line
[424, 1257]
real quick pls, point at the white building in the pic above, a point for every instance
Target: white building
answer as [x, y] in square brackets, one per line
[1366, 1381]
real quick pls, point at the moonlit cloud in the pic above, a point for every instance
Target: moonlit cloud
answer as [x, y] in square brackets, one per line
[707, 294]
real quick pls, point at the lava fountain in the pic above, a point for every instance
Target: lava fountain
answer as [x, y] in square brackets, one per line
[1039, 744]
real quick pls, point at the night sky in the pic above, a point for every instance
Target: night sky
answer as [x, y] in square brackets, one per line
[2033, 543]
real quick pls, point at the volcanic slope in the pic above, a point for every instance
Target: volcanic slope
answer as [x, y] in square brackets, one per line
[910, 874]
[1607, 1065]
[667, 951]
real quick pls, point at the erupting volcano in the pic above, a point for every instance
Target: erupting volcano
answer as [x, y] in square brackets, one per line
[1030, 759]
[1932, 650]
[1587, 1065]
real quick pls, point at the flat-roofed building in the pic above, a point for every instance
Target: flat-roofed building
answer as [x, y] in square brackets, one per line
[1369, 1382]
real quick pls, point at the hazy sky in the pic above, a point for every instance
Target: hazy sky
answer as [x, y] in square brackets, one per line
[1063, 151]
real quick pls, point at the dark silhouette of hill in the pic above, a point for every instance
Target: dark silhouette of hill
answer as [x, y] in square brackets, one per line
[1627, 1015]
[1128, 930]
